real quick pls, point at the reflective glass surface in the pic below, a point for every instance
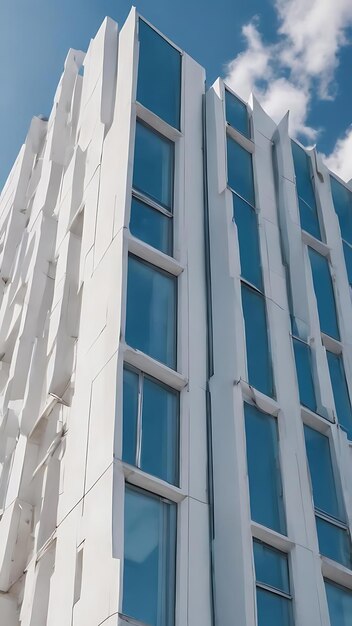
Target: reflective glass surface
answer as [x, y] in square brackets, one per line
[151, 226]
[151, 426]
[273, 609]
[160, 439]
[265, 486]
[130, 415]
[271, 567]
[153, 165]
[159, 75]
[342, 199]
[151, 311]
[347, 251]
[324, 293]
[305, 191]
[240, 170]
[237, 114]
[248, 236]
[258, 357]
[339, 603]
[340, 391]
[321, 473]
[334, 542]
[149, 558]
[304, 374]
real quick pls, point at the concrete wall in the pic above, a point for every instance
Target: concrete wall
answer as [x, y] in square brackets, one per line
[279, 231]
[64, 215]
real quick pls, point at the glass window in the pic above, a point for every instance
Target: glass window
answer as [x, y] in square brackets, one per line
[334, 541]
[150, 425]
[339, 603]
[159, 75]
[340, 391]
[321, 472]
[248, 237]
[258, 357]
[153, 165]
[240, 170]
[324, 294]
[333, 536]
[130, 414]
[149, 558]
[274, 603]
[151, 311]
[237, 114]
[305, 191]
[265, 486]
[304, 374]
[347, 251]
[342, 199]
[151, 226]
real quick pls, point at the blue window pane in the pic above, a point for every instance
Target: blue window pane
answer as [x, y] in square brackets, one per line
[237, 114]
[264, 469]
[342, 199]
[130, 415]
[347, 251]
[149, 558]
[304, 374]
[160, 438]
[334, 542]
[340, 391]
[151, 311]
[273, 609]
[271, 567]
[159, 75]
[240, 170]
[339, 603]
[321, 472]
[324, 293]
[258, 357]
[305, 191]
[248, 236]
[151, 226]
[153, 165]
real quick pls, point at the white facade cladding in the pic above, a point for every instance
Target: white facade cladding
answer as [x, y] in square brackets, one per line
[175, 356]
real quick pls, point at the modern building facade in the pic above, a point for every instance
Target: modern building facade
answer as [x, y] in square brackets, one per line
[176, 356]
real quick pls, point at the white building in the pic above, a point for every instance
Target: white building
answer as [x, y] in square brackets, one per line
[167, 258]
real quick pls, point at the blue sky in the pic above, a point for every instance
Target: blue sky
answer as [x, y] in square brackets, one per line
[295, 54]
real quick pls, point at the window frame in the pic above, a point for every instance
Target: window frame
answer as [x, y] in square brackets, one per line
[335, 348]
[306, 343]
[248, 285]
[270, 589]
[343, 583]
[147, 491]
[159, 269]
[324, 252]
[339, 523]
[182, 74]
[142, 375]
[320, 221]
[228, 89]
[280, 480]
[140, 196]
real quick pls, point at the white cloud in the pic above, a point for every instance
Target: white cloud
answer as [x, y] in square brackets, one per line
[282, 95]
[251, 65]
[313, 33]
[340, 159]
[284, 74]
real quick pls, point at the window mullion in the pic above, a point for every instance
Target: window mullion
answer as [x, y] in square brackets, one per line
[139, 421]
